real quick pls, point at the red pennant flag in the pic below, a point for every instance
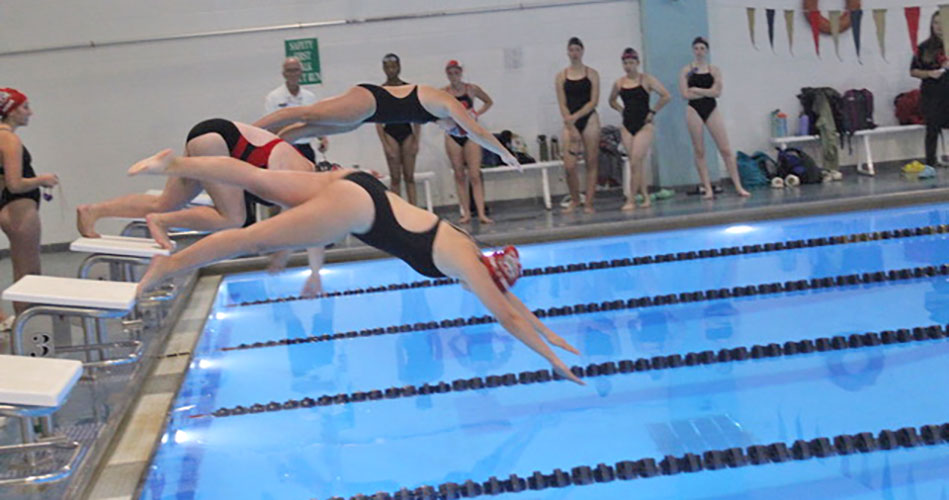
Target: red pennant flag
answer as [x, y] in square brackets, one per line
[814, 17]
[912, 21]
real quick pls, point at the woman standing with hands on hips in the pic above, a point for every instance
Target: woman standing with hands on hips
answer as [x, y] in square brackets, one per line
[578, 91]
[701, 84]
[465, 155]
[634, 89]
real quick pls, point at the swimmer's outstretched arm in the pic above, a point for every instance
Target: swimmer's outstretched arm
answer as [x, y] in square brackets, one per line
[313, 285]
[479, 134]
[539, 325]
[511, 314]
[282, 118]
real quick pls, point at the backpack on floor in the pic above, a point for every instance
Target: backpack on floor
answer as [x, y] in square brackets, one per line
[857, 110]
[757, 169]
[908, 109]
[796, 162]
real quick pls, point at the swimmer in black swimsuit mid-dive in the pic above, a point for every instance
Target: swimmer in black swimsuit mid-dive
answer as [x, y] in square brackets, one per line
[638, 131]
[465, 155]
[368, 103]
[324, 208]
[578, 92]
[701, 83]
[399, 140]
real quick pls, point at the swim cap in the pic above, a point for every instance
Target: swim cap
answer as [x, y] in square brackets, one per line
[630, 53]
[453, 64]
[391, 57]
[10, 99]
[504, 266]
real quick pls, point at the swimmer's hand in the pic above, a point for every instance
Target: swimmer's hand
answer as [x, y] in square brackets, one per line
[278, 261]
[565, 372]
[557, 340]
[510, 160]
[313, 286]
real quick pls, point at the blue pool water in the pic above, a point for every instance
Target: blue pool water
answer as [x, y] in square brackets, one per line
[367, 447]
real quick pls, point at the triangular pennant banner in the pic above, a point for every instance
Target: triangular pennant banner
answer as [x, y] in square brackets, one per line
[751, 25]
[769, 15]
[912, 22]
[856, 17]
[814, 17]
[944, 21]
[834, 17]
[789, 23]
[879, 18]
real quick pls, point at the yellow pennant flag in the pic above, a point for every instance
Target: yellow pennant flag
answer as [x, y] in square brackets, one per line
[879, 17]
[751, 26]
[789, 22]
[944, 21]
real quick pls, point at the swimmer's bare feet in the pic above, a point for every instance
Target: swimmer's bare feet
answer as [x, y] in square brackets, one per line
[86, 221]
[588, 209]
[485, 220]
[158, 231]
[153, 165]
[646, 202]
[156, 273]
[743, 193]
[629, 206]
[568, 209]
[464, 219]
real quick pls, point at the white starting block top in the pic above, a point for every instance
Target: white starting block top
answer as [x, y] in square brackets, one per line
[50, 290]
[203, 198]
[27, 381]
[119, 245]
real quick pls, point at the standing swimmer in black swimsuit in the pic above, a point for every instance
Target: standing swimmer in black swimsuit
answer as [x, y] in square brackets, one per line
[701, 84]
[20, 198]
[399, 140]
[578, 92]
[465, 155]
[638, 130]
[324, 207]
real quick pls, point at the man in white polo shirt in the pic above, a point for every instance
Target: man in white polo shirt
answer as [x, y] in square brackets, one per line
[289, 95]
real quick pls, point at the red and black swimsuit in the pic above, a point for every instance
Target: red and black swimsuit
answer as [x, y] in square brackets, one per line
[239, 148]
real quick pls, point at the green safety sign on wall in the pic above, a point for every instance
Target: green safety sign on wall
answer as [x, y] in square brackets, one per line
[307, 50]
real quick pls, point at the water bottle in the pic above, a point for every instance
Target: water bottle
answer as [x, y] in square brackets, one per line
[779, 124]
[803, 124]
[542, 147]
[782, 125]
[554, 148]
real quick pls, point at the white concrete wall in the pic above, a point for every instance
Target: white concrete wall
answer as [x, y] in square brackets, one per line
[98, 110]
[758, 81]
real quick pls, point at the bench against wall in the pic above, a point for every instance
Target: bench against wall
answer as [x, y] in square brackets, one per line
[865, 167]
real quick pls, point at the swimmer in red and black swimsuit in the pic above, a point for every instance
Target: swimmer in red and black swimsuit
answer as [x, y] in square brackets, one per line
[465, 155]
[232, 206]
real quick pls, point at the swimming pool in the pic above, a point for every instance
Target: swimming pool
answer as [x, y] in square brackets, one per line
[702, 349]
